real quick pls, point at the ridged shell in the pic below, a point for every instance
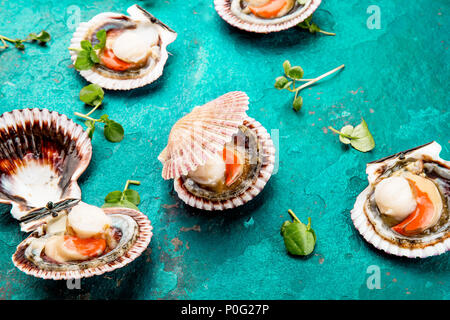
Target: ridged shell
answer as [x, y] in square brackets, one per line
[202, 133]
[142, 242]
[136, 13]
[367, 229]
[268, 151]
[223, 8]
[42, 154]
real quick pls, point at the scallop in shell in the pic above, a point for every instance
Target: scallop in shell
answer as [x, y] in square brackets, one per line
[405, 210]
[42, 154]
[83, 241]
[265, 16]
[135, 50]
[218, 157]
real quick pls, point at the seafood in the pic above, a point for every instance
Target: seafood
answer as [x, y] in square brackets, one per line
[42, 154]
[405, 209]
[135, 51]
[265, 16]
[82, 241]
[218, 157]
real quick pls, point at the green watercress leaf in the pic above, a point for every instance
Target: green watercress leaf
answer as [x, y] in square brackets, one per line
[363, 139]
[113, 196]
[282, 83]
[298, 103]
[19, 44]
[295, 73]
[121, 204]
[132, 196]
[84, 61]
[359, 137]
[92, 94]
[87, 56]
[347, 131]
[101, 36]
[127, 198]
[286, 67]
[86, 45]
[113, 131]
[42, 36]
[299, 239]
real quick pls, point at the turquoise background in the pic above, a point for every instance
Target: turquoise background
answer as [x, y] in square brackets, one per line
[395, 77]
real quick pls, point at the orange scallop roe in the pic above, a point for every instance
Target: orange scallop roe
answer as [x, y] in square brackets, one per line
[420, 218]
[269, 10]
[87, 247]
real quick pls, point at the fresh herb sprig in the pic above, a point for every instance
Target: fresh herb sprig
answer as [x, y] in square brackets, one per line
[358, 137]
[93, 95]
[299, 239]
[87, 55]
[41, 37]
[290, 78]
[312, 27]
[127, 198]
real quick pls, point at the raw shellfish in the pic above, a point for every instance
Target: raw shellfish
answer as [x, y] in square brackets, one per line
[83, 241]
[405, 209]
[218, 157]
[265, 16]
[135, 50]
[42, 154]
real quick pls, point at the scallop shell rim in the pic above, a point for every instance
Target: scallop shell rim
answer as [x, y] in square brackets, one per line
[223, 8]
[364, 227]
[109, 83]
[141, 244]
[263, 177]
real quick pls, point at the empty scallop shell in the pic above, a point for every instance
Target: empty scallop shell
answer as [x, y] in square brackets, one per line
[84, 270]
[118, 82]
[372, 229]
[42, 154]
[229, 11]
[202, 133]
[265, 172]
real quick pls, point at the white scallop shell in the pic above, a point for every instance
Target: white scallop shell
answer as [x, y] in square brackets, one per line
[136, 13]
[42, 155]
[369, 231]
[226, 9]
[202, 133]
[142, 242]
[268, 153]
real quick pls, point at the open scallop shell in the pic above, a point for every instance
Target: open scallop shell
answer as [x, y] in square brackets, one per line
[131, 253]
[137, 14]
[228, 11]
[202, 133]
[425, 247]
[42, 154]
[268, 156]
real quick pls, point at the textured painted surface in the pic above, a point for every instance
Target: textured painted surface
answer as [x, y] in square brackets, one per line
[396, 78]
